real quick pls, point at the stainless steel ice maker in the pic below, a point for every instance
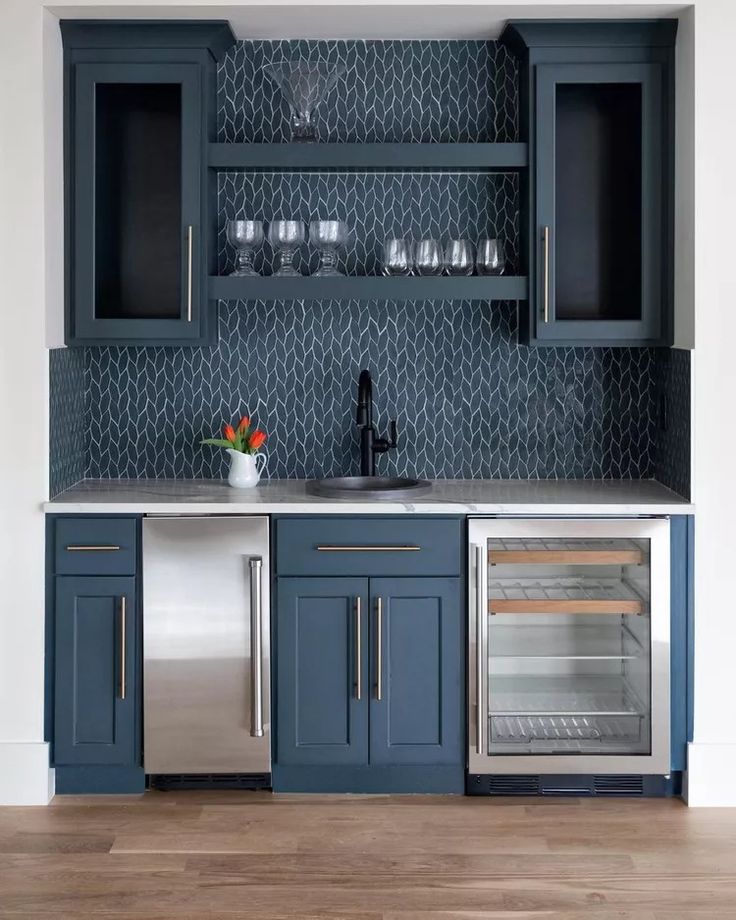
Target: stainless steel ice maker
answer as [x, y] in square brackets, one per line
[206, 645]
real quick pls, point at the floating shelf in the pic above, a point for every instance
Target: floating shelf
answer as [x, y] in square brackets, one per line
[481, 157]
[569, 552]
[503, 287]
[563, 595]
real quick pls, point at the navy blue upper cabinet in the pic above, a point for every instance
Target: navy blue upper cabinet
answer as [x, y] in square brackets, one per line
[96, 667]
[139, 103]
[597, 109]
[417, 714]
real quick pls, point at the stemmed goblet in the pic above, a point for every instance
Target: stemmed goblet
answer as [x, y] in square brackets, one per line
[244, 236]
[286, 236]
[328, 236]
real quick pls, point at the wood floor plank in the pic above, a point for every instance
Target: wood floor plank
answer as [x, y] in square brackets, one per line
[228, 855]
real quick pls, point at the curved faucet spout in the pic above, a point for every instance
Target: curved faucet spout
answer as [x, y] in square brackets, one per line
[370, 445]
[364, 415]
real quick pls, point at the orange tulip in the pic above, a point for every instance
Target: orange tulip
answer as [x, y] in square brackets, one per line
[244, 423]
[229, 432]
[257, 439]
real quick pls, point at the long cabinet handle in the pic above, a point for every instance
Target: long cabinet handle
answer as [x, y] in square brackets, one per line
[367, 549]
[102, 548]
[256, 644]
[479, 648]
[190, 250]
[545, 239]
[379, 649]
[123, 649]
[358, 652]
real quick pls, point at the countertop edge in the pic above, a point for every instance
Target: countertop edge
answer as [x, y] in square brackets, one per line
[545, 498]
[366, 507]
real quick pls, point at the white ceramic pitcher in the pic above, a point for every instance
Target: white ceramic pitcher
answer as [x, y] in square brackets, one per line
[245, 470]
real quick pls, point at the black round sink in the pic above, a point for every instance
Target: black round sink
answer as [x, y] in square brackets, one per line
[367, 487]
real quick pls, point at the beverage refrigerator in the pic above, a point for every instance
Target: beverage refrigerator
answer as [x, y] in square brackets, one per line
[569, 651]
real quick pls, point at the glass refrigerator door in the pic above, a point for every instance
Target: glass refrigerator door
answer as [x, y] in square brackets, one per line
[568, 646]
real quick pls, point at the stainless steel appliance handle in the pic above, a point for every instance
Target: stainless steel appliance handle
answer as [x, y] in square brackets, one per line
[256, 643]
[358, 652]
[479, 649]
[379, 662]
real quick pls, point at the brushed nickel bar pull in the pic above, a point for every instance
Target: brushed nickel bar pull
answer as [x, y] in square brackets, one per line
[102, 548]
[123, 655]
[190, 234]
[379, 662]
[368, 549]
[545, 236]
[478, 649]
[256, 644]
[358, 653]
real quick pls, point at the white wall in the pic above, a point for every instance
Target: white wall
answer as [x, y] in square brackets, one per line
[24, 774]
[30, 283]
[712, 758]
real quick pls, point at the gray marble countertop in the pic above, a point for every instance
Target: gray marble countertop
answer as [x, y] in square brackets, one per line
[447, 496]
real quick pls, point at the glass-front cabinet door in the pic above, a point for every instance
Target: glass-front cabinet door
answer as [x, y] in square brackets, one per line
[600, 221]
[569, 663]
[136, 198]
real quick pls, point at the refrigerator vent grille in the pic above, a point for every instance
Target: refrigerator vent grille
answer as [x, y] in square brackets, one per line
[565, 789]
[513, 785]
[166, 781]
[618, 785]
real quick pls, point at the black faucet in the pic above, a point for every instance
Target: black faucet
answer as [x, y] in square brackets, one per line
[370, 445]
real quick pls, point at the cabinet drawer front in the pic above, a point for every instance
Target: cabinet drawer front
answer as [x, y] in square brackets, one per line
[95, 546]
[350, 546]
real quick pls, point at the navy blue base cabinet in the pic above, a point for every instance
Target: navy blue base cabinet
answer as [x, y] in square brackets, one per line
[139, 111]
[94, 632]
[370, 669]
[597, 111]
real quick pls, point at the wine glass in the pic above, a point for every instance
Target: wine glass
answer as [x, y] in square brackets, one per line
[304, 85]
[490, 259]
[286, 236]
[459, 257]
[327, 236]
[428, 257]
[397, 259]
[244, 236]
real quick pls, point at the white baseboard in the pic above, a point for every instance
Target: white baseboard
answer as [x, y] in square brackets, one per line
[25, 775]
[710, 780]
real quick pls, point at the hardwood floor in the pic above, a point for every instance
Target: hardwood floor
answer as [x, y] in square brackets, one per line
[227, 855]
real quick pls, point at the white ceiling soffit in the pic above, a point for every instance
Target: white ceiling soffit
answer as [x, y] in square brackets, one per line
[378, 19]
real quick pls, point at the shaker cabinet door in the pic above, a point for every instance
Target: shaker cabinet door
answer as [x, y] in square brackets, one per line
[417, 683]
[96, 693]
[136, 172]
[601, 216]
[322, 671]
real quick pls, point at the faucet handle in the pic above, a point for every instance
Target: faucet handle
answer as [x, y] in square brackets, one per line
[381, 445]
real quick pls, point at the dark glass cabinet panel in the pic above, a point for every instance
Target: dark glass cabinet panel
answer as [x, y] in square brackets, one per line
[137, 200]
[599, 220]
[138, 174]
[598, 201]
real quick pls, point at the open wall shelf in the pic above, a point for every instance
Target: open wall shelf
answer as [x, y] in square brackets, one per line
[503, 287]
[482, 157]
